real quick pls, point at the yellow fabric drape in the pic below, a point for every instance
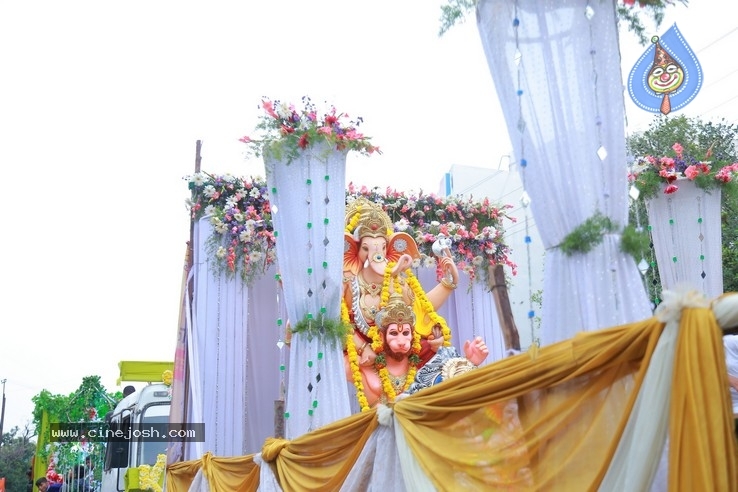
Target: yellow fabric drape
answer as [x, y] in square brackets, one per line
[238, 474]
[321, 460]
[180, 475]
[702, 449]
[572, 403]
[550, 423]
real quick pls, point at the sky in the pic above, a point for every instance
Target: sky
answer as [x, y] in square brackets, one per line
[101, 104]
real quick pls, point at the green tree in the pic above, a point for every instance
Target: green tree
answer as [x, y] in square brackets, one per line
[696, 137]
[15, 458]
[89, 403]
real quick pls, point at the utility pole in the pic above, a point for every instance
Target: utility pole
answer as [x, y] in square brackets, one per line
[2, 413]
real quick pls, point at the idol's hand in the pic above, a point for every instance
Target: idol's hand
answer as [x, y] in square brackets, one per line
[448, 268]
[476, 351]
[367, 356]
[364, 351]
[435, 339]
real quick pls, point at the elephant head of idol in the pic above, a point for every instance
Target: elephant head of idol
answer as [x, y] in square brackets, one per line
[370, 241]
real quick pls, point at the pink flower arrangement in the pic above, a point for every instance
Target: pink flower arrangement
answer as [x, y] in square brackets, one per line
[650, 173]
[284, 130]
[476, 228]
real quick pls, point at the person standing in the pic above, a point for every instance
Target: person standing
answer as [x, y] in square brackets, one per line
[42, 484]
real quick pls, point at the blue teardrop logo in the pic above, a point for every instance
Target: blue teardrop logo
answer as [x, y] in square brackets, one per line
[667, 76]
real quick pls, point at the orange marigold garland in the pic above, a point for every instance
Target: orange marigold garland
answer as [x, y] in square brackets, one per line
[380, 362]
[384, 297]
[428, 307]
[354, 220]
[377, 344]
[353, 357]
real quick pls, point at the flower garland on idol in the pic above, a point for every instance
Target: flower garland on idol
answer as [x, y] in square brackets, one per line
[376, 341]
[380, 362]
[353, 357]
[378, 345]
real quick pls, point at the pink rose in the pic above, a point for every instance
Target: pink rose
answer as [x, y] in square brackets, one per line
[691, 172]
[678, 149]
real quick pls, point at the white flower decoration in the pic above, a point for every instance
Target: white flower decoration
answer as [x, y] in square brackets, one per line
[209, 191]
[283, 110]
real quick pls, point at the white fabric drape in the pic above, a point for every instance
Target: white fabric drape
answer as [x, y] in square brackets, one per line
[267, 481]
[558, 77]
[199, 483]
[307, 197]
[217, 354]
[264, 381]
[686, 226]
[378, 466]
[637, 457]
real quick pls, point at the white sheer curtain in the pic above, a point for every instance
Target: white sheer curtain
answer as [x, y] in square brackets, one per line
[265, 383]
[307, 197]
[217, 357]
[556, 68]
[687, 238]
[233, 358]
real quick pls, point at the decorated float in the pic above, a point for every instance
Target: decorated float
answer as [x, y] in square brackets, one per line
[281, 330]
[253, 344]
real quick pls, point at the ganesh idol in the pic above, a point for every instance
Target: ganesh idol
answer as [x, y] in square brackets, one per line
[377, 263]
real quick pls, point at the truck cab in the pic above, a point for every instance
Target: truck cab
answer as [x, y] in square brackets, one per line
[133, 420]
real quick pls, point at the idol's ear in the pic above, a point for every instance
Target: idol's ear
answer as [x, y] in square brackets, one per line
[402, 243]
[350, 254]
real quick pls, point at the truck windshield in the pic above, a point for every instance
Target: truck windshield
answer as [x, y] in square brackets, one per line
[149, 449]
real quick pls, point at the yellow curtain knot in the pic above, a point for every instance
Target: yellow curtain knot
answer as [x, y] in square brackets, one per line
[272, 448]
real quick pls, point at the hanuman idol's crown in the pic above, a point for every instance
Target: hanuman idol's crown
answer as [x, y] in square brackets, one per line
[396, 311]
[366, 218]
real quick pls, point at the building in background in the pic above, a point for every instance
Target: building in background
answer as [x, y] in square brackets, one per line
[503, 186]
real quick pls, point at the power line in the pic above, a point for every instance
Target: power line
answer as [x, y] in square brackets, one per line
[709, 45]
[721, 78]
[721, 104]
[717, 40]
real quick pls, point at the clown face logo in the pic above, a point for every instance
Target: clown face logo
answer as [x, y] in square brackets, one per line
[666, 78]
